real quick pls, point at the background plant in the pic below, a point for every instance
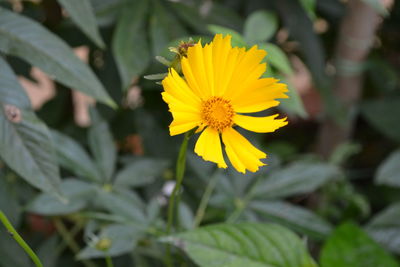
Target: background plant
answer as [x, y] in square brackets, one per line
[78, 194]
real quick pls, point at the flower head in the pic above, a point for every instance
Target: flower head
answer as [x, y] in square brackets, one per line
[221, 84]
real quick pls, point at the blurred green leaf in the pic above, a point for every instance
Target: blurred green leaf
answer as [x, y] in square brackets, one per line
[237, 39]
[309, 7]
[48, 251]
[389, 171]
[74, 158]
[277, 58]
[123, 239]
[260, 26]
[164, 27]
[25, 38]
[191, 16]
[349, 246]
[140, 172]
[77, 194]
[11, 254]
[9, 201]
[294, 217]
[82, 13]
[378, 6]
[220, 14]
[297, 178]
[293, 104]
[129, 44]
[186, 217]
[385, 228]
[248, 244]
[102, 145]
[384, 115]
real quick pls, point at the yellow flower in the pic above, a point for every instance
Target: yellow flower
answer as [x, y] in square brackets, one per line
[220, 84]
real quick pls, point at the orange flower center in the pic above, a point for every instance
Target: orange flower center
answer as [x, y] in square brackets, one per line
[217, 113]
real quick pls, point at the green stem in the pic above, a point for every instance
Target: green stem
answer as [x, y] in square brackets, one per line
[19, 239]
[204, 201]
[109, 262]
[180, 171]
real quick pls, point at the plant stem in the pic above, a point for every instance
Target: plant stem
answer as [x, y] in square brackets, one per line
[180, 171]
[19, 239]
[109, 262]
[204, 200]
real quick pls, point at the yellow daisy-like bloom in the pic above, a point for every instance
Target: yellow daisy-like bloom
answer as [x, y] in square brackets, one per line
[220, 84]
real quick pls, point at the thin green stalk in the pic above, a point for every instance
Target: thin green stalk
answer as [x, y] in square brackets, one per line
[204, 201]
[109, 262]
[180, 171]
[19, 240]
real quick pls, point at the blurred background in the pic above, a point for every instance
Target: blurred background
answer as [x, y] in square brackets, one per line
[338, 160]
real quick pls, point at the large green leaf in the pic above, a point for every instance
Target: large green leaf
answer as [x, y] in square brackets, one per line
[248, 244]
[25, 38]
[295, 217]
[260, 26]
[129, 45]
[81, 12]
[384, 115]
[277, 58]
[298, 178]
[141, 172]
[389, 171]
[385, 228]
[349, 246]
[102, 146]
[74, 158]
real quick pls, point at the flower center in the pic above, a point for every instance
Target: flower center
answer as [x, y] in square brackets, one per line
[217, 113]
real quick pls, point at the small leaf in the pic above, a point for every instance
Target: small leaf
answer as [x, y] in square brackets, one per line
[247, 244]
[237, 39]
[77, 194]
[295, 217]
[141, 172]
[102, 145]
[27, 39]
[81, 12]
[260, 26]
[389, 171]
[297, 178]
[277, 58]
[158, 76]
[163, 61]
[376, 112]
[349, 246]
[74, 158]
[122, 238]
[129, 44]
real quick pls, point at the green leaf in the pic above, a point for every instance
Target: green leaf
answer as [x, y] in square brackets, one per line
[277, 58]
[81, 12]
[294, 217]
[297, 178]
[238, 245]
[11, 254]
[25, 38]
[349, 246]
[102, 145]
[384, 115]
[129, 44]
[27, 148]
[389, 171]
[378, 6]
[293, 104]
[309, 7]
[260, 26]
[164, 27]
[237, 39]
[74, 158]
[141, 172]
[9, 201]
[385, 228]
[122, 239]
[77, 194]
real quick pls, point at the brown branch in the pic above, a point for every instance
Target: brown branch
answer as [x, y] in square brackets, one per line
[356, 37]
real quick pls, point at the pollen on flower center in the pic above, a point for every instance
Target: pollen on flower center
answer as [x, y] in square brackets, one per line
[217, 113]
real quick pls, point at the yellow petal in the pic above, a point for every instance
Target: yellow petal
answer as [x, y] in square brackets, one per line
[178, 128]
[208, 146]
[260, 124]
[242, 154]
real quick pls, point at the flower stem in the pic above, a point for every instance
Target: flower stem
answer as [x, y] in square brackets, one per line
[180, 171]
[19, 240]
[109, 262]
[204, 200]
